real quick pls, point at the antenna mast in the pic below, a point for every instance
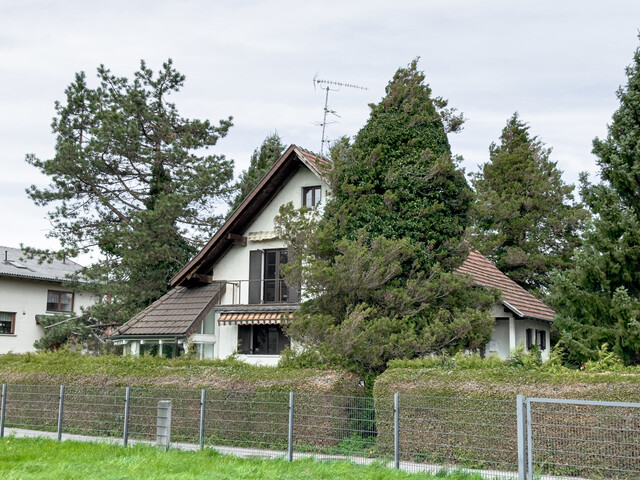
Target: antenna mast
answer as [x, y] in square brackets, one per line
[327, 87]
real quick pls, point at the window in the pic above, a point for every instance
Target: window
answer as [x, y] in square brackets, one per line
[261, 339]
[275, 289]
[541, 339]
[311, 196]
[529, 338]
[59, 301]
[7, 323]
[266, 284]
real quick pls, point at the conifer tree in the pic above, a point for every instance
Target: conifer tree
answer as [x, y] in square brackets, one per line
[132, 182]
[376, 265]
[524, 217]
[599, 299]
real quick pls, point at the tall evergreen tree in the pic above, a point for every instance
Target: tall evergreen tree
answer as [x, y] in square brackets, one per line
[129, 179]
[261, 161]
[524, 218]
[370, 263]
[599, 299]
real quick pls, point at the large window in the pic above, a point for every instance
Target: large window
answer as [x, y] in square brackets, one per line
[59, 301]
[311, 196]
[266, 284]
[275, 290]
[261, 339]
[7, 323]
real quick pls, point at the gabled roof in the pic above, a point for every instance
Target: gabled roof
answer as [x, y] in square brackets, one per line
[277, 177]
[177, 313]
[13, 263]
[514, 297]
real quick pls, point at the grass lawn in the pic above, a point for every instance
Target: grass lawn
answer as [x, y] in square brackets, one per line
[39, 458]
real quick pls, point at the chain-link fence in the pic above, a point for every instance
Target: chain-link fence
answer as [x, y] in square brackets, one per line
[501, 439]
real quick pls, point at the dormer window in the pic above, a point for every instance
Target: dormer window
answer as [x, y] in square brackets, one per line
[311, 196]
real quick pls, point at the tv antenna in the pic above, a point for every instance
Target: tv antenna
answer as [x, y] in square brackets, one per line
[330, 86]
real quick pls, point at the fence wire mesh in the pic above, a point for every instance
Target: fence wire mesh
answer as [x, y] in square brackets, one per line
[595, 440]
[467, 433]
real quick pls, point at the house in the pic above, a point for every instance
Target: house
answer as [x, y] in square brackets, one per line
[231, 297]
[521, 318]
[29, 290]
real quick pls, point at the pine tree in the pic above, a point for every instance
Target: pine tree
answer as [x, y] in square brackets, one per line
[130, 179]
[261, 161]
[599, 299]
[371, 263]
[524, 218]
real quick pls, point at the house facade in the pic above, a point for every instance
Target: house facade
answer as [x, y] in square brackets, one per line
[241, 268]
[30, 290]
[231, 297]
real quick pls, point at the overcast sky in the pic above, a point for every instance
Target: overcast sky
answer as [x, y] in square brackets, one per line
[558, 63]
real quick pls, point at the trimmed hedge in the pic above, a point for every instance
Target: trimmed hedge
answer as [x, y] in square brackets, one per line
[463, 410]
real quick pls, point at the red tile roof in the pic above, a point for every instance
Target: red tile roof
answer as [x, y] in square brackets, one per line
[514, 297]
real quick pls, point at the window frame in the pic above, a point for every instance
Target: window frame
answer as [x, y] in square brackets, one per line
[315, 199]
[60, 292]
[280, 288]
[541, 339]
[13, 324]
[250, 349]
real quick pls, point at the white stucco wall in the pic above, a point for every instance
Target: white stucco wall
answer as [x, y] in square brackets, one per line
[28, 298]
[509, 332]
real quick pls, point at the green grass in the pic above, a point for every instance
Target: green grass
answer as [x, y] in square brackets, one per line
[39, 458]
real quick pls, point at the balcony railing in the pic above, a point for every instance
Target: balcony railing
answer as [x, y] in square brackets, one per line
[257, 292]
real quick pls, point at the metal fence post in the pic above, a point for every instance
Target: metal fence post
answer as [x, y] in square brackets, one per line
[290, 437]
[125, 428]
[203, 402]
[60, 412]
[520, 407]
[3, 409]
[396, 430]
[529, 442]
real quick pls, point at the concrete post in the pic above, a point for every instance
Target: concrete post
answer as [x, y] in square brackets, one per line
[163, 430]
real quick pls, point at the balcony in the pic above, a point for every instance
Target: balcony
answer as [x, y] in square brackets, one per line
[259, 292]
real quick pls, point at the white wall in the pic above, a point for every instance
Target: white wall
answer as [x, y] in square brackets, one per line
[28, 298]
[501, 342]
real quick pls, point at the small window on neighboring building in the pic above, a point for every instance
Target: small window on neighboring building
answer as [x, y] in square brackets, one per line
[311, 196]
[59, 301]
[7, 323]
[261, 339]
[541, 339]
[529, 333]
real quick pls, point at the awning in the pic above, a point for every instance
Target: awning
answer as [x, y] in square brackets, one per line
[252, 318]
[263, 235]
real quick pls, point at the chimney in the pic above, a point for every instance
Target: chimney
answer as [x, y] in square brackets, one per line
[6, 253]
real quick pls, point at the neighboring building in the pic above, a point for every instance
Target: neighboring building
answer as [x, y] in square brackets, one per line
[231, 297]
[521, 319]
[29, 290]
